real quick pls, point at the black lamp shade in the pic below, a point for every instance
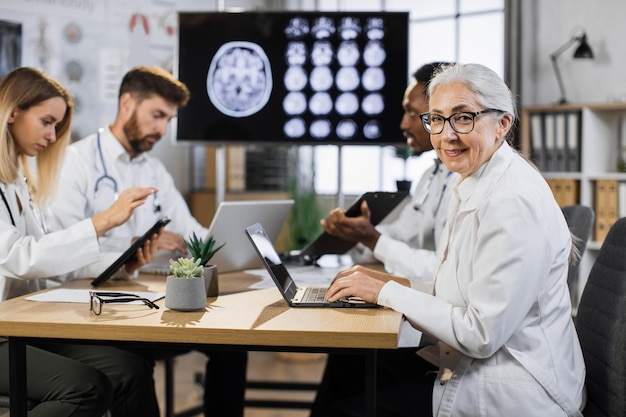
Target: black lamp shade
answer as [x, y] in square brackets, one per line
[583, 50]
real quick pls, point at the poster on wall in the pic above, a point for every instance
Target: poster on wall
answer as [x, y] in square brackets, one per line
[10, 46]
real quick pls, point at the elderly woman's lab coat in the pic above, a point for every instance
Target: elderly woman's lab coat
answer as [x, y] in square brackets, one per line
[501, 310]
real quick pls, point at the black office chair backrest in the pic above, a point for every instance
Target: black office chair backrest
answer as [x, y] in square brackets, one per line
[601, 325]
[580, 222]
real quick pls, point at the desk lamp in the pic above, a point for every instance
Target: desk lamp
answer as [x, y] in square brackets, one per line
[583, 51]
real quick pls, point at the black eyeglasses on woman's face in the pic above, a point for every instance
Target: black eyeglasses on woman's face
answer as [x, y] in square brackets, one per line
[461, 122]
[98, 298]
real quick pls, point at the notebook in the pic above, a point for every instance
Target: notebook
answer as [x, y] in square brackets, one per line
[129, 253]
[380, 203]
[227, 227]
[294, 295]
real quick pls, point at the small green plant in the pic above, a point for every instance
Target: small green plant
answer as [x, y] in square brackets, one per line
[203, 250]
[403, 152]
[186, 267]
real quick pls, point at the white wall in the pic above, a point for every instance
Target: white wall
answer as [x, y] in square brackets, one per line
[548, 24]
[111, 42]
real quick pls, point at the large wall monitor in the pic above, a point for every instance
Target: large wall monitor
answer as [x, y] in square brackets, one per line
[293, 77]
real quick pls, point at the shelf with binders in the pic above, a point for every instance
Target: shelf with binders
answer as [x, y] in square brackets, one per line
[609, 204]
[576, 145]
[592, 169]
[555, 140]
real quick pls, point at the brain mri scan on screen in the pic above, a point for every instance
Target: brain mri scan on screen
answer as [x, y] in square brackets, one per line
[293, 77]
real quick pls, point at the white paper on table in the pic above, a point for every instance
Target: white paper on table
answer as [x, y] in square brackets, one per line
[67, 295]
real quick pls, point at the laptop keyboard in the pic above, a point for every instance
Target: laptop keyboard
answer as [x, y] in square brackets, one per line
[314, 295]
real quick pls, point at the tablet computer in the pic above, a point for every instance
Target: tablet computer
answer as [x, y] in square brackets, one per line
[129, 253]
[380, 203]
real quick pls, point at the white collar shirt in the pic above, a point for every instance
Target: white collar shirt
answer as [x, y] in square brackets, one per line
[84, 192]
[407, 246]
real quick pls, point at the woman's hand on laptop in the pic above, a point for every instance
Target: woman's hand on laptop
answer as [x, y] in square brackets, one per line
[357, 281]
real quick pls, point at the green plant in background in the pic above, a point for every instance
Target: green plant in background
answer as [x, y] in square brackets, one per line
[202, 249]
[403, 152]
[305, 216]
[186, 267]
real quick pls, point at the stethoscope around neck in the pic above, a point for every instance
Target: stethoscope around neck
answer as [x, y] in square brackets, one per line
[106, 177]
[38, 215]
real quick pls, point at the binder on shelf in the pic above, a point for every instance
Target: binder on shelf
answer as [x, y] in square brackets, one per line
[549, 142]
[536, 135]
[570, 192]
[601, 228]
[573, 142]
[559, 142]
[565, 191]
[606, 207]
[621, 200]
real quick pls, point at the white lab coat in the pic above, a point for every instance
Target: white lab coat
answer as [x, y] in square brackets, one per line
[78, 196]
[502, 308]
[28, 255]
[407, 245]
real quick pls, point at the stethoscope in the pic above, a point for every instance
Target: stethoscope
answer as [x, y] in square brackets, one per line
[106, 177]
[425, 190]
[38, 216]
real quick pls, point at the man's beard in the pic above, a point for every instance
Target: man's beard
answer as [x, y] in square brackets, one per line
[133, 134]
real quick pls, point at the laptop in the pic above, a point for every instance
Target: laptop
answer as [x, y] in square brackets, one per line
[380, 203]
[294, 295]
[129, 253]
[226, 227]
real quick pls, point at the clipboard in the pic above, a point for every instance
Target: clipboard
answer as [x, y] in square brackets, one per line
[380, 203]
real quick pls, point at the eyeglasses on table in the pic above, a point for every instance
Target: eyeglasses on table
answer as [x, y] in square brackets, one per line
[98, 298]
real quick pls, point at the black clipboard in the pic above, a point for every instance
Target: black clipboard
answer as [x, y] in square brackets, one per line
[380, 203]
[129, 253]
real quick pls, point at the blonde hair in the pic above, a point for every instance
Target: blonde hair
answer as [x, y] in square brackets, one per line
[21, 89]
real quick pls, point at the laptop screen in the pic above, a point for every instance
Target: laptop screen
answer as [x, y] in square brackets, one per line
[264, 247]
[234, 216]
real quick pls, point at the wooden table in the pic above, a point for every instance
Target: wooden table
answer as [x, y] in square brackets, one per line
[236, 319]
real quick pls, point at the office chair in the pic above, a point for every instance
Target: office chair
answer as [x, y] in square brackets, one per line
[601, 325]
[580, 222]
[5, 404]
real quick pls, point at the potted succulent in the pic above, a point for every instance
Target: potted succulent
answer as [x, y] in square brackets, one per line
[204, 250]
[185, 289]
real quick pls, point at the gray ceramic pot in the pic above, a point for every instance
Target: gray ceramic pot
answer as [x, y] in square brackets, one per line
[210, 280]
[185, 294]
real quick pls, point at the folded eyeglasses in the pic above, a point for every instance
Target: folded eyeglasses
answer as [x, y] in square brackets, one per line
[98, 298]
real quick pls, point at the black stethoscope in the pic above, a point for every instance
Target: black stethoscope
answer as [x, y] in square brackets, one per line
[106, 177]
[38, 216]
[6, 203]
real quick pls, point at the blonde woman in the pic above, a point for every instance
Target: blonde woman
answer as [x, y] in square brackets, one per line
[63, 380]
